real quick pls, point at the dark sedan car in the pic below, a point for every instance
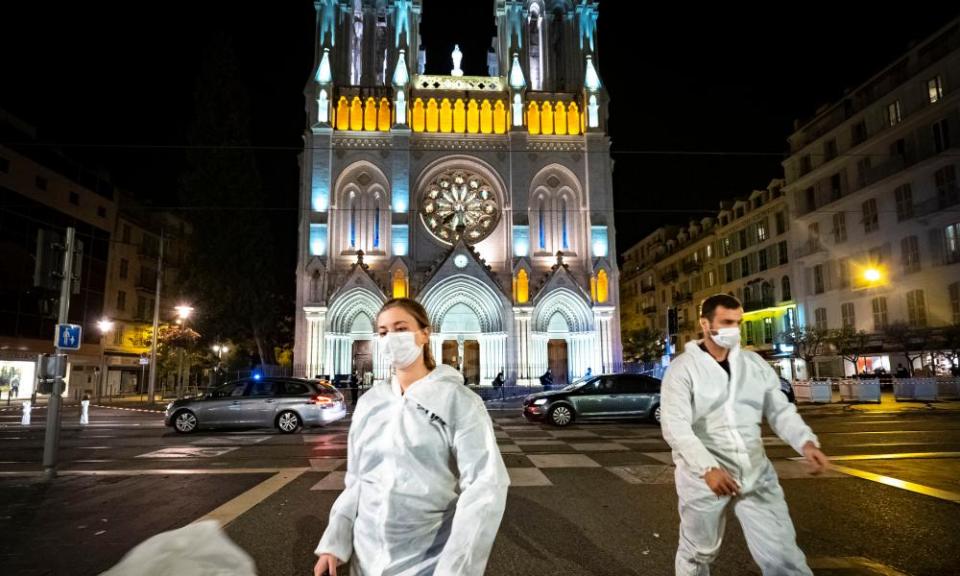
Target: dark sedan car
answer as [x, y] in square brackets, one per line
[603, 397]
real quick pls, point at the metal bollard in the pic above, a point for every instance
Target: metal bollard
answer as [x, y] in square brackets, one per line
[84, 412]
[25, 420]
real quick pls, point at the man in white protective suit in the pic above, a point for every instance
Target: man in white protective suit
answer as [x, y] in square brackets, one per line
[713, 398]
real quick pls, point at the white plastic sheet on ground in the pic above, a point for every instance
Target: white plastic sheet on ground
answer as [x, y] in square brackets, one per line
[200, 549]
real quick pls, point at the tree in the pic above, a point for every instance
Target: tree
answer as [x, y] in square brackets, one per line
[645, 345]
[849, 343]
[233, 266]
[807, 342]
[910, 341]
[949, 343]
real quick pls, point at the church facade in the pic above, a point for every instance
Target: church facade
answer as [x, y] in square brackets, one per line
[486, 198]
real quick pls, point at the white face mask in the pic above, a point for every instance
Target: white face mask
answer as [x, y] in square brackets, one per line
[400, 348]
[728, 338]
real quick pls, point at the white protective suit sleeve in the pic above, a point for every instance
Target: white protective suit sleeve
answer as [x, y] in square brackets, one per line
[782, 416]
[676, 422]
[483, 497]
[337, 539]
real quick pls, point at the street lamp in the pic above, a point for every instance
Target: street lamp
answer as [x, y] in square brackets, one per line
[183, 312]
[872, 275]
[104, 325]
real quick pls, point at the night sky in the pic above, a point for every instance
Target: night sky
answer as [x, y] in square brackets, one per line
[702, 101]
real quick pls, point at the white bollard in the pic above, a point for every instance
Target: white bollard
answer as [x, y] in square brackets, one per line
[25, 420]
[84, 411]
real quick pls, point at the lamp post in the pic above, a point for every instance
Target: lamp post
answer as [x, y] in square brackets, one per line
[183, 313]
[105, 325]
[220, 350]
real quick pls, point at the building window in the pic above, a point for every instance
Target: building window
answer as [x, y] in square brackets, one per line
[40, 183]
[124, 268]
[941, 136]
[904, 197]
[563, 224]
[522, 287]
[871, 221]
[830, 149]
[762, 257]
[951, 235]
[399, 284]
[811, 199]
[598, 241]
[768, 330]
[318, 239]
[709, 251]
[879, 306]
[742, 237]
[603, 286]
[748, 329]
[744, 267]
[893, 113]
[910, 248]
[711, 278]
[126, 234]
[141, 307]
[118, 335]
[783, 256]
[844, 265]
[785, 289]
[781, 219]
[542, 227]
[848, 313]
[353, 221]
[916, 309]
[805, 165]
[727, 246]
[946, 183]
[762, 231]
[839, 227]
[74, 198]
[400, 239]
[858, 133]
[955, 301]
[821, 318]
[121, 301]
[818, 279]
[935, 89]
[376, 224]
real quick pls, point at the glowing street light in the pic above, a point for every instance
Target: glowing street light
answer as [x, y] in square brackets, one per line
[184, 311]
[872, 275]
[104, 325]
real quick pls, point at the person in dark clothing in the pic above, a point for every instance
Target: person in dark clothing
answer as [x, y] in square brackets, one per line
[547, 378]
[498, 381]
[902, 372]
[354, 387]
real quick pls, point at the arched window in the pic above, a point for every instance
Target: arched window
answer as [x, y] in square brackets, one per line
[541, 225]
[523, 287]
[603, 286]
[563, 224]
[785, 289]
[353, 220]
[399, 284]
[376, 222]
[535, 38]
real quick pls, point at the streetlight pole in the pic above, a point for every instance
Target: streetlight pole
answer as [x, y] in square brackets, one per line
[183, 313]
[105, 325]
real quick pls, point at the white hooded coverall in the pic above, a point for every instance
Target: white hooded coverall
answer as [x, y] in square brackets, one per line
[712, 420]
[425, 485]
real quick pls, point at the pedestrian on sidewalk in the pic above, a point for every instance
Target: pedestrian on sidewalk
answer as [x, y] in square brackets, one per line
[85, 410]
[405, 509]
[713, 398]
[354, 387]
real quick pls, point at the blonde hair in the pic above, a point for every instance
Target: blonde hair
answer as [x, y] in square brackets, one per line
[419, 314]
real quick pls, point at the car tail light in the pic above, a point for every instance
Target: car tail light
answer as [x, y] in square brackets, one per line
[322, 401]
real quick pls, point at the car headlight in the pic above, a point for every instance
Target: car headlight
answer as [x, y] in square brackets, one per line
[539, 401]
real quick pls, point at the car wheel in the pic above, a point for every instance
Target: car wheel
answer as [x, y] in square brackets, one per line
[288, 422]
[561, 415]
[655, 414]
[185, 422]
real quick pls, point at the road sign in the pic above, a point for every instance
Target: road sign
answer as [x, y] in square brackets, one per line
[67, 336]
[144, 361]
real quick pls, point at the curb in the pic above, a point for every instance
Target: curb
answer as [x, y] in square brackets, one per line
[129, 409]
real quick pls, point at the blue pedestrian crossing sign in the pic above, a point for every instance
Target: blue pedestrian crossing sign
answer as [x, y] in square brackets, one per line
[68, 337]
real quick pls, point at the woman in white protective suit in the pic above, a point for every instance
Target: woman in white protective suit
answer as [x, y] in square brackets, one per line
[425, 485]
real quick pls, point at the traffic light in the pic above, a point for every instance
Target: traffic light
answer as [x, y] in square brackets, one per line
[672, 324]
